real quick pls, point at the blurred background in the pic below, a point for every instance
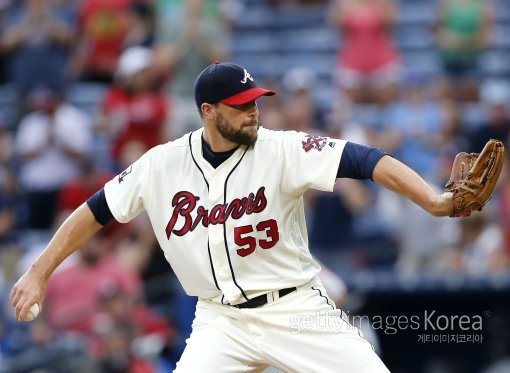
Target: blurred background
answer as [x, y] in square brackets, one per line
[87, 86]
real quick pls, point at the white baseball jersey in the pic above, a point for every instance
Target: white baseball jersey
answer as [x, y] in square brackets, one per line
[237, 231]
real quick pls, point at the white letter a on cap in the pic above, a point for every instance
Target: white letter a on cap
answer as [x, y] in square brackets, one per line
[246, 77]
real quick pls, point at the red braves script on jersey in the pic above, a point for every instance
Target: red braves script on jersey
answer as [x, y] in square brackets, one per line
[184, 204]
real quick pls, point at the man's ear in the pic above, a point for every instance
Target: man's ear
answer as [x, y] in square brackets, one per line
[208, 111]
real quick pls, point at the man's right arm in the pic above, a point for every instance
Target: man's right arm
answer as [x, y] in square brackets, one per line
[399, 178]
[72, 234]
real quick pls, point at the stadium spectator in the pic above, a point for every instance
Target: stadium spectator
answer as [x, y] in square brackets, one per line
[419, 240]
[300, 107]
[152, 334]
[47, 351]
[453, 138]
[368, 63]
[189, 36]
[50, 141]
[77, 190]
[454, 128]
[118, 356]
[97, 271]
[271, 112]
[333, 234]
[102, 26]
[334, 237]
[413, 126]
[332, 215]
[462, 32]
[478, 248]
[413, 130]
[66, 8]
[142, 25]
[495, 97]
[133, 110]
[37, 41]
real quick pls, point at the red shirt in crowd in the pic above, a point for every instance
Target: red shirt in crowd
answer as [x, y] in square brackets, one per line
[141, 117]
[77, 191]
[103, 24]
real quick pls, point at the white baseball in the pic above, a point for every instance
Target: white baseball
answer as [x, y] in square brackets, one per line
[32, 313]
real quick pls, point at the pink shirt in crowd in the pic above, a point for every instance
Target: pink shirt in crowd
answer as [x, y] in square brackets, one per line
[366, 44]
[73, 294]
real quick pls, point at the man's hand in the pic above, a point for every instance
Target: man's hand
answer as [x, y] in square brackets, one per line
[442, 205]
[28, 291]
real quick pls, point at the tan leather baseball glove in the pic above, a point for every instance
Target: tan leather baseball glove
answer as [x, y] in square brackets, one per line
[473, 178]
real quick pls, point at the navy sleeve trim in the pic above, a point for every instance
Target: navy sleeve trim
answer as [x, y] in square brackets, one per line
[99, 207]
[358, 161]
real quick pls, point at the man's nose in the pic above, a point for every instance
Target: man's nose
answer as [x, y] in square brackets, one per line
[253, 110]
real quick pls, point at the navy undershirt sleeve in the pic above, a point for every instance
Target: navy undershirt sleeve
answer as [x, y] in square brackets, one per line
[99, 207]
[358, 161]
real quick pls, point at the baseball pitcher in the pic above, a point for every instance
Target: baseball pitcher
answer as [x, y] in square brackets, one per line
[226, 205]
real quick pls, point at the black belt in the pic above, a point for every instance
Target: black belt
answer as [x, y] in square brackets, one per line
[262, 299]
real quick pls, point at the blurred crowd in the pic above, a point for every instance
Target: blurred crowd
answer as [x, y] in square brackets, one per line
[115, 306]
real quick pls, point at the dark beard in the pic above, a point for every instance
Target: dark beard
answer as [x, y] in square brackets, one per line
[237, 136]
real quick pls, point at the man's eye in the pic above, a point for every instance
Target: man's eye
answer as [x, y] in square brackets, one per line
[248, 106]
[245, 107]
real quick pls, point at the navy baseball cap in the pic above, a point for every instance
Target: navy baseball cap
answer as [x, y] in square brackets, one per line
[228, 83]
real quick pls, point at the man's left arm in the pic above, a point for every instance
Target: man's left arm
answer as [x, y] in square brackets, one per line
[396, 176]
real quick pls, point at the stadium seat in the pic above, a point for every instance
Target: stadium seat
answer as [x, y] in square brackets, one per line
[495, 63]
[8, 104]
[412, 37]
[310, 39]
[472, 115]
[86, 96]
[417, 12]
[249, 42]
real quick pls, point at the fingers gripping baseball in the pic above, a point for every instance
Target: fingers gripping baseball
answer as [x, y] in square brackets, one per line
[473, 178]
[27, 297]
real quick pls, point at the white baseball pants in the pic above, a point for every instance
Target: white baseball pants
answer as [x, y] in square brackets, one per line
[301, 332]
